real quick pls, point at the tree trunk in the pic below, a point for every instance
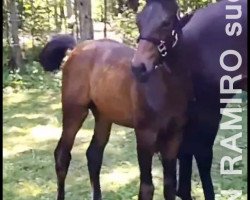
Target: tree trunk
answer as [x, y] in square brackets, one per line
[105, 18]
[86, 25]
[48, 12]
[76, 19]
[32, 30]
[119, 9]
[62, 16]
[57, 23]
[6, 30]
[69, 8]
[16, 53]
[70, 21]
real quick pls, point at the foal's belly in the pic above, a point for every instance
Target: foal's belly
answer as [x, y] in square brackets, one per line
[116, 113]
[111, 94]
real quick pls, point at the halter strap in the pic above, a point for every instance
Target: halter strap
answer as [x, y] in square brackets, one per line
[161, 44]
[150, 39]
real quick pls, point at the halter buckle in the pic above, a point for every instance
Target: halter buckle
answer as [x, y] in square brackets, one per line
[162, 48]
[174, 33]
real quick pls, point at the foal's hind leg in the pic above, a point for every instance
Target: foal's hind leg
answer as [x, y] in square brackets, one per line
[95, 154]
[73, 116]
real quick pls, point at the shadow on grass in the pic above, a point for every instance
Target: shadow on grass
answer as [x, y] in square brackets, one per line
[30, 121]
[23, 109]
[32, 173]
[32, 126]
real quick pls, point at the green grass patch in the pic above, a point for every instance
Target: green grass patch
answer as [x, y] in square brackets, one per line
[32, 127]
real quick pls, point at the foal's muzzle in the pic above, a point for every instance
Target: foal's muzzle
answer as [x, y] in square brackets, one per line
[140, 73]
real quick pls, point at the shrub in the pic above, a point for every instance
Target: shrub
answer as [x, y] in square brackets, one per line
[33, 77]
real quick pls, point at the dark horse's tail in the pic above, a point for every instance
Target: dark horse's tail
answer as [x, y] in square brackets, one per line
[54, 51]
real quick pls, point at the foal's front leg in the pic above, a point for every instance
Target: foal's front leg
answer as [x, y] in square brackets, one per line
[169, 148]
[145, 151]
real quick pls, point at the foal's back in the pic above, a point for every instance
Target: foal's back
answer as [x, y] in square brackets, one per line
[98, 73]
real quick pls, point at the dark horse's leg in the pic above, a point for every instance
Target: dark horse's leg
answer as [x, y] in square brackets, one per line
[95, 154]
[73, 116]
[204, 164]
[145, 150]
[204, 155]
[185, 173]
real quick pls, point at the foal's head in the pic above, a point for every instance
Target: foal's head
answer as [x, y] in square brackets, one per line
[156, 24]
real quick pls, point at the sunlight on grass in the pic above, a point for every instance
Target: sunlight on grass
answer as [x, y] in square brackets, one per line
[56, 106]
[197, 191]
[36, 135]
[19, 97]
[29, 116]
[43, 133]
[31, 129]
[15, 150]
[15, 129]
[120, 176]
[28, 189]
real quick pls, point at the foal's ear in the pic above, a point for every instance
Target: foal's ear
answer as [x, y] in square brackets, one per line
[185, 19]
[133, 4]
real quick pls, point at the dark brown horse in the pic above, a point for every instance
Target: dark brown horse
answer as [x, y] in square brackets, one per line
[97, 76]
[210, 32]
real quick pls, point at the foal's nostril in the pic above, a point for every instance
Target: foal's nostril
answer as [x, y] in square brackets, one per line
[140, 72]
[139, 69]
[143, 68]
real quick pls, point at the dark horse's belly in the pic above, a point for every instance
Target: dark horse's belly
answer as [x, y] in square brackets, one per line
[202, 126]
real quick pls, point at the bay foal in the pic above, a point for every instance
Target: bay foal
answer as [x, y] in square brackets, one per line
[97, 76]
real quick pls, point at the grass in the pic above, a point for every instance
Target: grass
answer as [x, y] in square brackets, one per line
[32, 127]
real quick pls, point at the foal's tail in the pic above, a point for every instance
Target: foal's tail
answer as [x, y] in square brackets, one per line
[54, 51]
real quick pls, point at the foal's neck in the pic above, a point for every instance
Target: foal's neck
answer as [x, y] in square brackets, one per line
[176, 56]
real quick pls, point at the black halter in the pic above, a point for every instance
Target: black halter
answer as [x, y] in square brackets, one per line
[161, 44]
